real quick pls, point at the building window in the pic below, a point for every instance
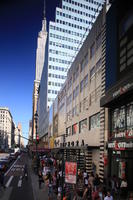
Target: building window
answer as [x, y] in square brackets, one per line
[75, 92]
[130, 116]
[82, 126]
[68, 131]
[92, 71]
[81, 85]
[84, 62]
[118, 119]
[74, 129]
[92, 50]
[98, 64]
[86, 80]
[94, 121]
[98, 41]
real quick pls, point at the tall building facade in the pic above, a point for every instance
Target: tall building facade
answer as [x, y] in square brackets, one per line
[72, 24]
[6, 128]
[40, 54]
[18, 135]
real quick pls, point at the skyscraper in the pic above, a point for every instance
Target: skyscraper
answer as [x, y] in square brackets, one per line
[66, 35]
[73, 22]
[40, 54]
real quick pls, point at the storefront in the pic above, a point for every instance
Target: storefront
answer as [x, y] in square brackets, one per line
[119, 90]
[119, 101]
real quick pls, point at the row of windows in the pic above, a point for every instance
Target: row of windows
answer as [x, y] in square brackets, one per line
[57, 76]
[84, 105]
[84, 82]
[81, 127]
[50, 99]
[60, 53]
[84, 63]
[63, 45]
[52, 91]
[57, 68]
[94, 2]
[2, 111]
[74, 25]
[55, 84]
[75, 18]
[64, 38]
[82, 5]
[59, 60]
[66, 31]
[78, 11]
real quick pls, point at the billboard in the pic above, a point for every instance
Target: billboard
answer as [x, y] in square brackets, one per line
[70, 172]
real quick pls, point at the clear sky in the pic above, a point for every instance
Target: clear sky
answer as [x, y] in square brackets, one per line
[20, 22]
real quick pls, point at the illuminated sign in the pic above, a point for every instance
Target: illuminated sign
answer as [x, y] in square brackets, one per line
[70, 172]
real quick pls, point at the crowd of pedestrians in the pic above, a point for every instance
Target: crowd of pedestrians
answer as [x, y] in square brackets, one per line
[88, 186]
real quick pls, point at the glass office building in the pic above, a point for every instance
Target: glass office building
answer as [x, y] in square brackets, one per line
[72, 23]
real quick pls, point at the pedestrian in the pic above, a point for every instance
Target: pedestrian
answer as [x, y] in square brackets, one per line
[91, 179]
[25, 172]
[2, 179]
[123, 188]
[87, 195]
[108, 197]
[40, 178]
[95, 194]
[130, 196]
[50, 186]
[96, 181]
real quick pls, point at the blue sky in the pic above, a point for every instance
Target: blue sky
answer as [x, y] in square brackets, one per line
[20, 22]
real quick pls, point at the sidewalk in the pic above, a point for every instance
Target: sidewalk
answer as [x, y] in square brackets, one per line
[39, 194]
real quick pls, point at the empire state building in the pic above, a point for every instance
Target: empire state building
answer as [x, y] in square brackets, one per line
[40, 56]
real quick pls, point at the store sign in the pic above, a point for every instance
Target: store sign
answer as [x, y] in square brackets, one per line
[70, 172]
[125, 134]
[122, 90]
[120, 145]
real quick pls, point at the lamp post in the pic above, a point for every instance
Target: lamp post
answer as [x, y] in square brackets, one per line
[36, 119]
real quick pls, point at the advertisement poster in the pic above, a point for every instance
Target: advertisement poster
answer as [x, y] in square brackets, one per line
[70, 172]
[122, 167]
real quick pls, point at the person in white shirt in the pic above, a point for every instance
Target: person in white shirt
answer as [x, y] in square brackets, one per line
[108, 197]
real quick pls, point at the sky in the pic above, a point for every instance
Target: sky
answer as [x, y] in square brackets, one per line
[20, 22]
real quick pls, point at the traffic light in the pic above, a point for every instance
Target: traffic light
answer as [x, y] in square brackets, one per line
[37, 138]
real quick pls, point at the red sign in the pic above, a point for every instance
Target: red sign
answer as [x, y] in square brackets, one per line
[70, 172]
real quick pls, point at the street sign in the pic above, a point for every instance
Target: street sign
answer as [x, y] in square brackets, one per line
[70, 172]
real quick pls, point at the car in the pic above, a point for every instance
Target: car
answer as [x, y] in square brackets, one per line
[13, 156]
[3, 165]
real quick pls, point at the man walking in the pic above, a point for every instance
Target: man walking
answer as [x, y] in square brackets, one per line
[2, 179]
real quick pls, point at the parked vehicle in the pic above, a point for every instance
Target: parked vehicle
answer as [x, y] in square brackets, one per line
[3, 165]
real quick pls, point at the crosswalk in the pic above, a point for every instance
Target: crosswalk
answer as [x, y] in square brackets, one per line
[15, 182]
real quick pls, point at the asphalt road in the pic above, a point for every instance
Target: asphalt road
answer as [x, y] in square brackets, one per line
[17, 187]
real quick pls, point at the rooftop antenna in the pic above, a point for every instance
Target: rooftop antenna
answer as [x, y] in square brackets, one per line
[44, 11]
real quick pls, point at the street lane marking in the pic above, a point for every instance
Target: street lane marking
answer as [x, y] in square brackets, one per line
[20, 182]
[9, 181]
[12, 166]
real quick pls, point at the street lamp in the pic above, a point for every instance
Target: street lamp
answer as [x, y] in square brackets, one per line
[36, 119]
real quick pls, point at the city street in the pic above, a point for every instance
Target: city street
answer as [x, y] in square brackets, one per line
[17, 187]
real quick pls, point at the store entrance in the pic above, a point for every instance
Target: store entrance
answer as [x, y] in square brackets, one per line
[129, 173]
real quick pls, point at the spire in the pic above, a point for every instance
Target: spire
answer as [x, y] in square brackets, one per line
[44, 11]
[44, 28]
